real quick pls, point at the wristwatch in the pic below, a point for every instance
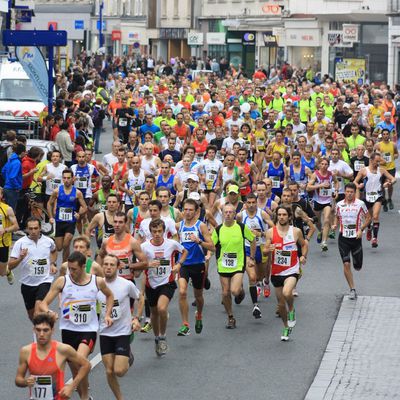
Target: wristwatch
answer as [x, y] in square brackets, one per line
[252, 258]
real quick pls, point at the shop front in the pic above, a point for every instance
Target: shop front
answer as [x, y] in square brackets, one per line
[241, 48]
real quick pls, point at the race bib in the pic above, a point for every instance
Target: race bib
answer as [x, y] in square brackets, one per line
[55, 183]
[42, 389]
[66, 214]
[39, 267]
[276, 182]
[260, 143]
[123, 122]
[199, 157]
[358, 165]
[115, 312]
[82, 182]
[349, 231]
[229, 260]
[219, 156]
[387, 157]
[137, 188]
[185, 236]
[163, 269]
[372, 197]
[341, 183]
[282, 258]
[325, 192]
[124, 270]
[80, 314]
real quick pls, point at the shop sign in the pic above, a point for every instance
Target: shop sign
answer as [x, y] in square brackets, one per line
[116, 35]
[271, 9]
[350, 33]
[335, 39]
[216, 38]
[249, 39]
[195, 38]
[269, 39]
[173, 33]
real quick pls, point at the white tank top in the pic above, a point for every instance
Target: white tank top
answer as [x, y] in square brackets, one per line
[53, 183]
[226, 176]
[255, 223]
[149, 165]
[78, 306]
[134, 183]
[373, 186]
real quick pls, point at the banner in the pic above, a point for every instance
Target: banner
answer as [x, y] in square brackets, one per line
[33, 63]
[350, 70]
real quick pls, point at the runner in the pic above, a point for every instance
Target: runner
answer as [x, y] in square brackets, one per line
[229, 239]
[275, 170]
[350, 213]
[115, 346]
[99, 199]
[164, 197]
[78, 319]
[210, 173]
[195, 238]
[36, 254]
[160, 279]
[138, 213]
[282, 243]
[166, 179]
[369, 179]
[63, 202]
[45, 360]
[257, 221]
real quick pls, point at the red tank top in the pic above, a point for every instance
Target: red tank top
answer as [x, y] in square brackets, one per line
[200, 148]
[181, 131]
[245, 190]
[285, 259]
[50, 376]
[124, 253]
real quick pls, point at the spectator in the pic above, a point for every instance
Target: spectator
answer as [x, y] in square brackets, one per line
[65, 144]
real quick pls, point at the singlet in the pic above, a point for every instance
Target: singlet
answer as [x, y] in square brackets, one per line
[233, 176]
[169, 184]
[299, 177]
[200, 148]
[268, 203]
[6, 238]
[78, 306]
[245, 190]
[279, 148]
[149, 166]
[105, 231]
[195, 251]
[260, 139]
[277, 176]
[323, 195]
[210, 168]
[373, 185]
[134, 183]
[350, 217]
[66, 205]
[49, 376]
[387, 152]
[165, 253]
[255, 223]
[83, 178]
[53, 183]
[102, 199]
[309, 164]
[124, 253]
[285, 259]
[136, 221]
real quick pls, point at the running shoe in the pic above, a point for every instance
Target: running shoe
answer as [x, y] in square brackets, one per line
[374, 243]
[324, 246]
[256, 312]
[184, 331]
[285, 334]
[198, 327]
[162, 347]
[385, 206]
[390, 203]
[369, 234]
[353, 294]
[267, 290]
[319, 237]
[231, 324]
[207, 284]
[240, 297]
[292, 318]
[10, 277]
[146, 327]
[332, 234]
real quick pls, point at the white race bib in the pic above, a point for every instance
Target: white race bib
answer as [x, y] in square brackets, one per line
[282, 258]
[325, 192]
[55, 183]
[43, 388]
[124, 269]
[80, 314]
[123, 122]
[372, 197]
[66, 214]
[82, 182]
[229, 260]
[387, 157]
[39, 267]
[349, 231]
[358, 165]
[185, 236]
[276, 182]
[115, 312]
[163, 269]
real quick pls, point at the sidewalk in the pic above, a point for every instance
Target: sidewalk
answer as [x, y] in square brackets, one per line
[361, 360]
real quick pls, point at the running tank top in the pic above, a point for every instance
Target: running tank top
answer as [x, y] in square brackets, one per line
[276, 175]
[254, 223]
[78, 306]
[105, 231]
[149, 166]
[309, 164]
[169, 184]
[285, 257]
[245, 190]
[299, 177]
[227, 176]
[6, 238]
[54, 183]
[195, 251]
[373, 185]
[124, 253]
[49, 377]
[66, 205]
[323, 195]
[134, 183]
[136, 220]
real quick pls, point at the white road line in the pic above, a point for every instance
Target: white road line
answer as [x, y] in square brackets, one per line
[93, 362]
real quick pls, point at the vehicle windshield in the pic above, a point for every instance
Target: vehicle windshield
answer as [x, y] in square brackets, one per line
[18, 90]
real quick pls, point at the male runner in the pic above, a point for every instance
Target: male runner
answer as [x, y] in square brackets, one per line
[45, 361]
[195, 238]
[350, 213]
[78, 320]
[282, 243]
[229, 239]
[36, 254]
[138, 213]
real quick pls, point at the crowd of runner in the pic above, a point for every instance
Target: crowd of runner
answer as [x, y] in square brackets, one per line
[213, 167]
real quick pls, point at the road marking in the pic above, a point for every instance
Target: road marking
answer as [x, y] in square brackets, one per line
[93, 362]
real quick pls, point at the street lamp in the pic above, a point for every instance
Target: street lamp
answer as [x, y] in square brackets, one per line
[101, 37]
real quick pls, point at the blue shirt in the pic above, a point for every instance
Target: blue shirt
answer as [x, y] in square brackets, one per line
[384, 125]
[146, 128]
[12, 173]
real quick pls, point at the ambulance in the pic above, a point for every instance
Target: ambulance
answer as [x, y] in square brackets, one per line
[20, 105]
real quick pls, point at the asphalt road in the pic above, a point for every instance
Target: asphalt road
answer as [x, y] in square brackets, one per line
[249, 362]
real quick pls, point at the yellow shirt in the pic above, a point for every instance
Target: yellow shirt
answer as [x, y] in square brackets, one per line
[35, 185]
[6, 239]
[387, 152]
[260, 139]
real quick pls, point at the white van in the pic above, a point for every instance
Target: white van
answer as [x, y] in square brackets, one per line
[20, 105]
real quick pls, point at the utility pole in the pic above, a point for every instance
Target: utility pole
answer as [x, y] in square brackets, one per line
[101, 38]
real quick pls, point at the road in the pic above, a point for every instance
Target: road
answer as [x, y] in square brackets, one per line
[249, 362]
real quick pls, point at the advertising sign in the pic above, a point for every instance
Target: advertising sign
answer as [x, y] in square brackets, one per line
[350, 32]
[350, 70]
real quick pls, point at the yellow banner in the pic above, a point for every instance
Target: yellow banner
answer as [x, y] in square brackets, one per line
[350, 70]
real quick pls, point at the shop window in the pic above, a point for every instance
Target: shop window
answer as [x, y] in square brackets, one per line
[216, 51]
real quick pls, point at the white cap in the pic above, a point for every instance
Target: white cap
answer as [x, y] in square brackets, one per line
[346, 105]
[193, 177]
[194, 196]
